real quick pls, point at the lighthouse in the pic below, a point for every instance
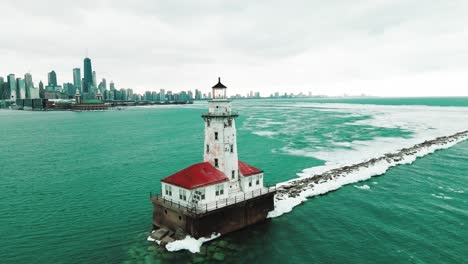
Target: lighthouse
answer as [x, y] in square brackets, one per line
[219, 195]
[220, 136]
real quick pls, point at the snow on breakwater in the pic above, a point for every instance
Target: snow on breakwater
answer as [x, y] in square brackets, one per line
[188, 243]
[296, 191]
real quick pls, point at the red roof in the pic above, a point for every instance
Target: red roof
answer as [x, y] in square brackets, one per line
[195, 176]
[247, 170]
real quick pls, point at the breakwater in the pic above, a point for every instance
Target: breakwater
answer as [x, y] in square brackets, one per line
[294, 192]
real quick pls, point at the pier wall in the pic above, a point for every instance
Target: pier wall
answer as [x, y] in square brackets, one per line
[223, 220]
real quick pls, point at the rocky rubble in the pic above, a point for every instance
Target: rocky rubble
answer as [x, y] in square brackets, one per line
[295, 187]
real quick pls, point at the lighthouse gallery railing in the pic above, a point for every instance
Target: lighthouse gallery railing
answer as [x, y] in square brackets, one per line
[206, 207]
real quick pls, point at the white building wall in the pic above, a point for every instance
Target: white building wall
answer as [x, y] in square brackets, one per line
[219, 106]
[210, 194]
[245, 182]
[175, 197]
[225, 125]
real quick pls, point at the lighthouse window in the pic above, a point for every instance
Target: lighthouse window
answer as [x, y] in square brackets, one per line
[168, 190]
[216, 135]
[232, 148]
[216, 163]
[208, 122]
[257, 182]
[200, 194]
[182, 195]
[233, 174]
[229, 122]
[207, 148]
[250, 181]
[219, 189]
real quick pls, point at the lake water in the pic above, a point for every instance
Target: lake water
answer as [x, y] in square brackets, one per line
[74, 187]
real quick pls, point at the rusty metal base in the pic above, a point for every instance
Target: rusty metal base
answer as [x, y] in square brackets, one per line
[223, 220]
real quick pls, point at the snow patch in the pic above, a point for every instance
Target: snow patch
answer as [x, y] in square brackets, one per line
[189, 243]
[150, 239]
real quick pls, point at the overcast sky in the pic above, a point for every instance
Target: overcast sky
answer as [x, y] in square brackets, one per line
[376, 47]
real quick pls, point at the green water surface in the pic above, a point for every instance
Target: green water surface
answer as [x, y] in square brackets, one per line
[74, 187]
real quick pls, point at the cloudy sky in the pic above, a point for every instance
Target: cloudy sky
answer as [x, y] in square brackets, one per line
[376, 47]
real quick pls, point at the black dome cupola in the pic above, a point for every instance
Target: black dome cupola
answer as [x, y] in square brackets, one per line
[219, 90]
[219, 84]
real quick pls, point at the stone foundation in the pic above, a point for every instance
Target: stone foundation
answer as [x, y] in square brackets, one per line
[223, 220]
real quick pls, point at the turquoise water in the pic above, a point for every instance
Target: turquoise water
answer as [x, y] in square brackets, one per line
[429, 101]
[74, 186]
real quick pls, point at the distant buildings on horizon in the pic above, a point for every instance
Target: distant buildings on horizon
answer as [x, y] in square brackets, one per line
[13, 88]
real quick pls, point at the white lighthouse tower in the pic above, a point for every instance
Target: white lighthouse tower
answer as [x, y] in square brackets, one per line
[221, 179]
[219, 195]
[220, 136]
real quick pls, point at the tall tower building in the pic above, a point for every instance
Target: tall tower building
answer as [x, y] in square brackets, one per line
[130, 94]
[29, 84]
[94, 79]
[20, 89]
[88, 75]
[10, 91]
[103, 86]
[220, 194]
[77, 78]
[41, 90]
[52, 78]
[162, 95]
[220, 136]
[2, 88]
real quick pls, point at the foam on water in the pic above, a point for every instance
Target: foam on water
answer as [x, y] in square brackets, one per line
[425, 123]
[285, 204]
[265, 133]
[442, 196]
[363, 187]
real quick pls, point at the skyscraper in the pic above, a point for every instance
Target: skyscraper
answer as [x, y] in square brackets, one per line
[2, 82]
[162, 95]
[29, 84]
[130, 94]
[52, 76]
[69, 89]
[112, 86]
[94, 79]
[41, 90]
[88, 75]
[20, 89]
[77, 79]
[10, 92]
[102, 86]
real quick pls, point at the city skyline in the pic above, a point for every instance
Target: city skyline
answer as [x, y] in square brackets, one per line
[378, 48]
[87, 86]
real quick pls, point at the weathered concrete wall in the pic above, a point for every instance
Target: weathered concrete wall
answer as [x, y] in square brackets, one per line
[166, 216]
[224, 220]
